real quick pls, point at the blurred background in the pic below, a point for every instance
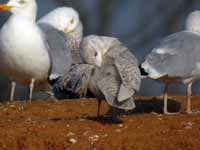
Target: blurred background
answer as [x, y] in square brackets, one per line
[140, 24]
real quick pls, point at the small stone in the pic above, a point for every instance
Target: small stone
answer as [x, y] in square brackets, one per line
[72, 141]
[188, 125]
[81, 119]
[121, 125]
[85, 133]
[94, 138]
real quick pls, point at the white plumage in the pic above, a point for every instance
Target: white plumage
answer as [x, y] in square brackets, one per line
[27, 54]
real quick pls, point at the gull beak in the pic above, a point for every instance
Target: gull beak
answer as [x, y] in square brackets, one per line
[4, 7]
[66, 31]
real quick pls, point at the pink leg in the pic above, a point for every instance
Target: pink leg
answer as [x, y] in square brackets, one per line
[31, 89]
[189, 95]
[165, 110]
[165, 99]
[12, 92]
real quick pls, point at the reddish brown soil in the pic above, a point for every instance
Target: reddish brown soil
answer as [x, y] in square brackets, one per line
[50, 125]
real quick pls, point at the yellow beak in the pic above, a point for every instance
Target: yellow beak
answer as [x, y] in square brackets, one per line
[66, 31]
[4, 7]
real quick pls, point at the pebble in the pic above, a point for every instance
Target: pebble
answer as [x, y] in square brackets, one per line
[121, 125]
[72, 141]
[94, 138]
[86, 133]
[81, 119]
[189, 125]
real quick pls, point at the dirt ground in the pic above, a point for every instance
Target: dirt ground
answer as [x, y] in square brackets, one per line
[72, 125]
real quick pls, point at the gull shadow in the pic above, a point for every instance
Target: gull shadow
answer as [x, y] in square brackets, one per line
[150, 105]
[104, 119]
[155, 105]
[55, 119]
[142, 107]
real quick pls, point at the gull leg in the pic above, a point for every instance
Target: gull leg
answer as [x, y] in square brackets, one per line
[99, 107]
[165, 110]
[12, 92]
[189, 96]
[165, 99]
[31, 86]
[85, 93]
[114, 114]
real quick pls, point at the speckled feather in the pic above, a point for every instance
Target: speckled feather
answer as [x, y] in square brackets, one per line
[78, 78]
[115, 78]
[109, 83]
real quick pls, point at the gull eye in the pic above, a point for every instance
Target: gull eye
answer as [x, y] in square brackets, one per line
[22, 1]
[72, 21]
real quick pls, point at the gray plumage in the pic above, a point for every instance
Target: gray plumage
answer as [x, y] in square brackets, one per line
[59, 52]
[66, 21]
[177, 59]
[177, 55]
[116, 75]
[78, 78]
[105, 84]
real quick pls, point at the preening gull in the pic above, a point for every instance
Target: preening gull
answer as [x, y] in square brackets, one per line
[116, 76]
[177, 59]
[28, 51]
[62, 86]
[66, 21]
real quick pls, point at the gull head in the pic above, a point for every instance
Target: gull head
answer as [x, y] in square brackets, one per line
[193, 21]
[65, 19]
[26, 8]
[91, 50]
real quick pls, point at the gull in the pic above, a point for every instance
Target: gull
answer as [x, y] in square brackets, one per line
[177, 59]
[116, 76]
[73, 31]
[66, 20]
[31, 53]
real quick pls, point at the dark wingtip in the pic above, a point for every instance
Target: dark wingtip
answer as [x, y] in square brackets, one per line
[142, 71]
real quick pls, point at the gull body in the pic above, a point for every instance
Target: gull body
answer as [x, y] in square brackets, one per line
[33, 53]
[24, 51]
[116, 76]
[59, 19]
[22, 47]
[177, 59]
